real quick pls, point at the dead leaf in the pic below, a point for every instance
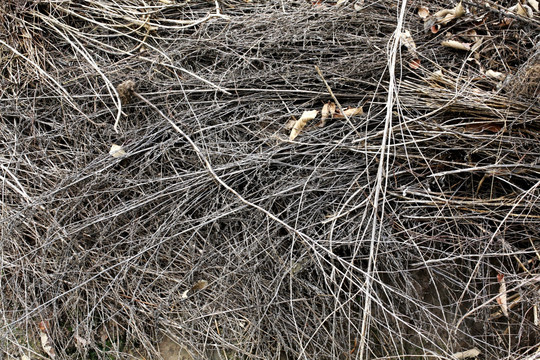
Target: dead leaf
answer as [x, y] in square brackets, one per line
[529, 11]
[414, 64]
[437, 75]
[506, 22]
[359, 5]
[495, 75]
[117, 151]
[328, 111]
[44, 325]
[184, 294]
[290, 124]
[522, 9]
[456, 45]
[407, 41]
[199, 285]
[484, 127]
[301, 123]
[534, 4]
[501, 298]
[46, 342]
[446, 15]
[472, 35]
[81, 341]
[435, 28]
[350, 112]
[477, 44]
[126, 91]
[423, 12]
[472, 353]
[103, 333]
[170, 350]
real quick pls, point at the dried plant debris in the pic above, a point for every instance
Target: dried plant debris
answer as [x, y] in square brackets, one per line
[407, 186]
[457, 45]
[302, 122]
[126, 90]
[117, 151]
[441, 17]
[46, 341]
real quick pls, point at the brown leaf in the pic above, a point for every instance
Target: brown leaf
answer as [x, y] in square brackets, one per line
[81, 341]
[414, 64]
[358, 5]
[199, 285]
[44, 325]
[126, 91]
[472, 35]
[301, 123]
[290, 124]
[482, 127]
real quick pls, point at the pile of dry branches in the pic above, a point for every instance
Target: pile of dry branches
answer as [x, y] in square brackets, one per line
[151, 191]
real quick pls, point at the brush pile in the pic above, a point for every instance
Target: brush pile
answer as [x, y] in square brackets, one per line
[270, 180]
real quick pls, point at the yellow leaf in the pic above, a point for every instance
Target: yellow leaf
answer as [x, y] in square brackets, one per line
[534, 4]
[301, 123]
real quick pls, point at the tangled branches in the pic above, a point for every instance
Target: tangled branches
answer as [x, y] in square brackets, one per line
[381, 236]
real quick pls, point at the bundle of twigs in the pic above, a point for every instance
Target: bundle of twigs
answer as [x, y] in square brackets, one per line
[152, 192]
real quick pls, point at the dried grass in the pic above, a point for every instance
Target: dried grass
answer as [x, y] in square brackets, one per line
[377, 237]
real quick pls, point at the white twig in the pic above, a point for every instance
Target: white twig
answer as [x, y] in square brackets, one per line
[381, 176]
